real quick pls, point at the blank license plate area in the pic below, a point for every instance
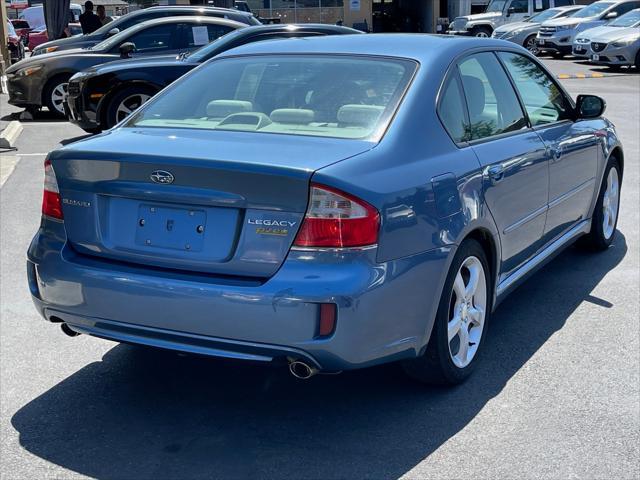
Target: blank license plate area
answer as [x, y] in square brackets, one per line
[595, 58]
[175, 228]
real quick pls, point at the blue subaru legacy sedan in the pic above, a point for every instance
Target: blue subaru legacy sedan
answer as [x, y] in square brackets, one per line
[327, 203]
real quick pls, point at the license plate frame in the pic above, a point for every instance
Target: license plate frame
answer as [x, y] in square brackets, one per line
[172, 228]
[541, 41]
[595, 57]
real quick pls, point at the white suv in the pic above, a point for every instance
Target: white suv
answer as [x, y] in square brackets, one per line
[557, 36]
[501, 12]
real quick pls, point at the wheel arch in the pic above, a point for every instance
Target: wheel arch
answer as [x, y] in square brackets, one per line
[618, 154]
[489, 244]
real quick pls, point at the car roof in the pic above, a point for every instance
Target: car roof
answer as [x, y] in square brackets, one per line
[186, 18]
[568, 7]
[294, 27]
[421, 47]
[201, 8]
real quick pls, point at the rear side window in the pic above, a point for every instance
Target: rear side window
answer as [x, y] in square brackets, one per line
[452, 110]
[493, 105]
[196, 35]
[542, 98]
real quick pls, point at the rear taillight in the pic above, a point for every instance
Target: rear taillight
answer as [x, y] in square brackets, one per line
[51, 202]
[336, 219]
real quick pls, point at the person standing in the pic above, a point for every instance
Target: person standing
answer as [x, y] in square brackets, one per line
[89, 20]
[102, 15]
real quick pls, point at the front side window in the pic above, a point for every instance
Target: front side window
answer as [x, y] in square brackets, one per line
[343, 97]
[153, 39]
[564, 3]
[493, 106]
[452, 110]
[631, 19]
[496, 5]
[542, 98]
[519, 6]
[625, 8]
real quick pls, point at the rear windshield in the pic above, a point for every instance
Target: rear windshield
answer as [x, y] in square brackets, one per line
[20, 24]
[341, 97]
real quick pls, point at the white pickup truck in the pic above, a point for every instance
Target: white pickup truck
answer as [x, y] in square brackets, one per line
[501, 12]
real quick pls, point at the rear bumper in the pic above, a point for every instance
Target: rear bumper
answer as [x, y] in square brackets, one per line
[384, 311]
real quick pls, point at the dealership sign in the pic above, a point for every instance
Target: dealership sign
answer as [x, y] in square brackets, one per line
[19, 4]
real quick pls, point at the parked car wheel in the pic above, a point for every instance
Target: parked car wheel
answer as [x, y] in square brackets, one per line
[125, 102]
[461, 321]
[605, 214]
[531, 44]
[557, 55]
[53, 94]
[482, 32]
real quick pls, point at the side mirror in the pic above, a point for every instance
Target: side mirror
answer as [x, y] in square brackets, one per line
[611, 15]
[113, 32]
[126, 49]
[511, 11]
[590, 106]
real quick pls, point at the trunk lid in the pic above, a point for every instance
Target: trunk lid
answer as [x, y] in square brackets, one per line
[227, 203]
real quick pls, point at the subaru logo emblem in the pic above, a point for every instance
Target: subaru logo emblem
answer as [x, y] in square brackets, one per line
[162, 176]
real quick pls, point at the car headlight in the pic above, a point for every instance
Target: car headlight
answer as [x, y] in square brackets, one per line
[624, 42]
[562, 28]
[582, 40]
[513, 33]
[26, 71]
[39, 51]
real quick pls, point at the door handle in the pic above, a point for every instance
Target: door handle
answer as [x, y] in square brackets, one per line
[496, 172]
[555, 152]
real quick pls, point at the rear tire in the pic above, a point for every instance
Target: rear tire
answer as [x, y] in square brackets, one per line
[606, 211]
[557, 55]
[126, 100]
[53, 94]
[461, 321]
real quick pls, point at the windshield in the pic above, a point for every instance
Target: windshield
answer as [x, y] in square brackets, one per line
[592, 10]
[543, 16]
[496, 6]
[631, 19]
[206, 51]
[316, 95]
[103, 30]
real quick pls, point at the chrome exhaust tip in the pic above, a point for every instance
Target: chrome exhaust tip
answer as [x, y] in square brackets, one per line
[301, 370]
[68, 331]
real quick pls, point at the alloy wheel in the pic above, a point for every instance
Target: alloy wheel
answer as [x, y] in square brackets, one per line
[482, 34]
[57, 97]
[610, 203]
[467, 310]
[532, 45]
[130, 104]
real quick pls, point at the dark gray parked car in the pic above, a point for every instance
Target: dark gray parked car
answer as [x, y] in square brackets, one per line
[134, 18]
[42, 80]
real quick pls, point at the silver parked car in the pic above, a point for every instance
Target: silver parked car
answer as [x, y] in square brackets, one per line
[524, 33]
[615, 44]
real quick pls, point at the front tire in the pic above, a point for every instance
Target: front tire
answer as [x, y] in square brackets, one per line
[605, 214]
[125, 102]
[54, 93]
[531, 44]
[481, 32]
[461, 321]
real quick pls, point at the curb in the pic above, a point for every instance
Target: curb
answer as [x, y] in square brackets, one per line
[9, 135]
[565, 76]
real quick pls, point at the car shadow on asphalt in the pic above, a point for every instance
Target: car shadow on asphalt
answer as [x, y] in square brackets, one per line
[143, 413]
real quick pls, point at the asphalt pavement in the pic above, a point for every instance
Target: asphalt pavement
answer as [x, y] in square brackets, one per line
[556, 394]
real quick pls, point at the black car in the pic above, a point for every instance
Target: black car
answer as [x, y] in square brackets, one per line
[134, 18]
[103, 95]
[42, 80]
